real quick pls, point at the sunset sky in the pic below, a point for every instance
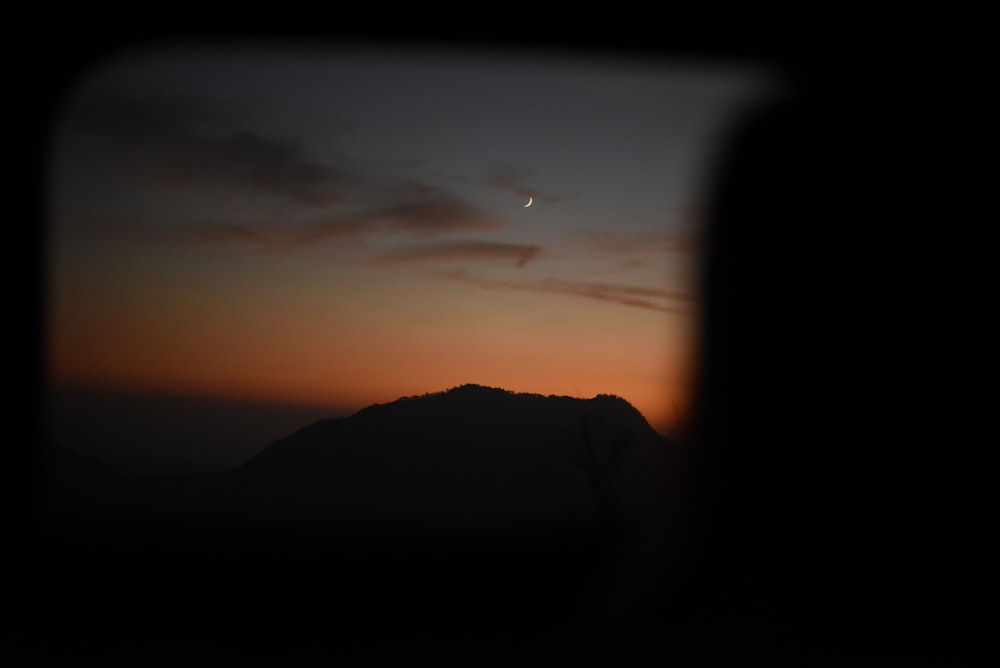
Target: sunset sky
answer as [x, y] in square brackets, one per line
[345, 227]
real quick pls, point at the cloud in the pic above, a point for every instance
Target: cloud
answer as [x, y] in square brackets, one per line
[436, 212]
[190, 144]
[682, 236]
[636, 296]
[439, 213]
[463, 250]
[279, 236]
[181, 141]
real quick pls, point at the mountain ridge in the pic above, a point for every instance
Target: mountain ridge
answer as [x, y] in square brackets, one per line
[473, 513]
[465, 451]
[469, 441]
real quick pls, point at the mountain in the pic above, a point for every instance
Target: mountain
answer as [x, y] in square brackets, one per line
[474, 517]
[471, 455]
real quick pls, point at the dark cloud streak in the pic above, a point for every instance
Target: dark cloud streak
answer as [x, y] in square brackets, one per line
[171, 139]
[463, 250]
[626, 295]
[278, 237]
[185, 143]
[679, 233]
[437, 215]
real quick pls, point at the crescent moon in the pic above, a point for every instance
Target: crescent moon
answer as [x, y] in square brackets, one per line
[529, 202]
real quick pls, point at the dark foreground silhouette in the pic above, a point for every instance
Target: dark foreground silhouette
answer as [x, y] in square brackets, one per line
[474, 520]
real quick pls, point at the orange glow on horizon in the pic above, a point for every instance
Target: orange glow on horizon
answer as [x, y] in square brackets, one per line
[660, 408]
[358, 365]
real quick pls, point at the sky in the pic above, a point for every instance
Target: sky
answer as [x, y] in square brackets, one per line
[340, 227]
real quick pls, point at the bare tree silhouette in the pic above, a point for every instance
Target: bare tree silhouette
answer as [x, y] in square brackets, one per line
[598, 450]
[605, 452]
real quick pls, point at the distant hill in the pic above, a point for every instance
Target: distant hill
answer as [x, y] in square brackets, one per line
[471, 454]
[474, 516]
[471, 459]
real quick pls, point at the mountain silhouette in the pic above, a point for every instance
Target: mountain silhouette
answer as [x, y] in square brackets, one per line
[468, 456]
[474, 513]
